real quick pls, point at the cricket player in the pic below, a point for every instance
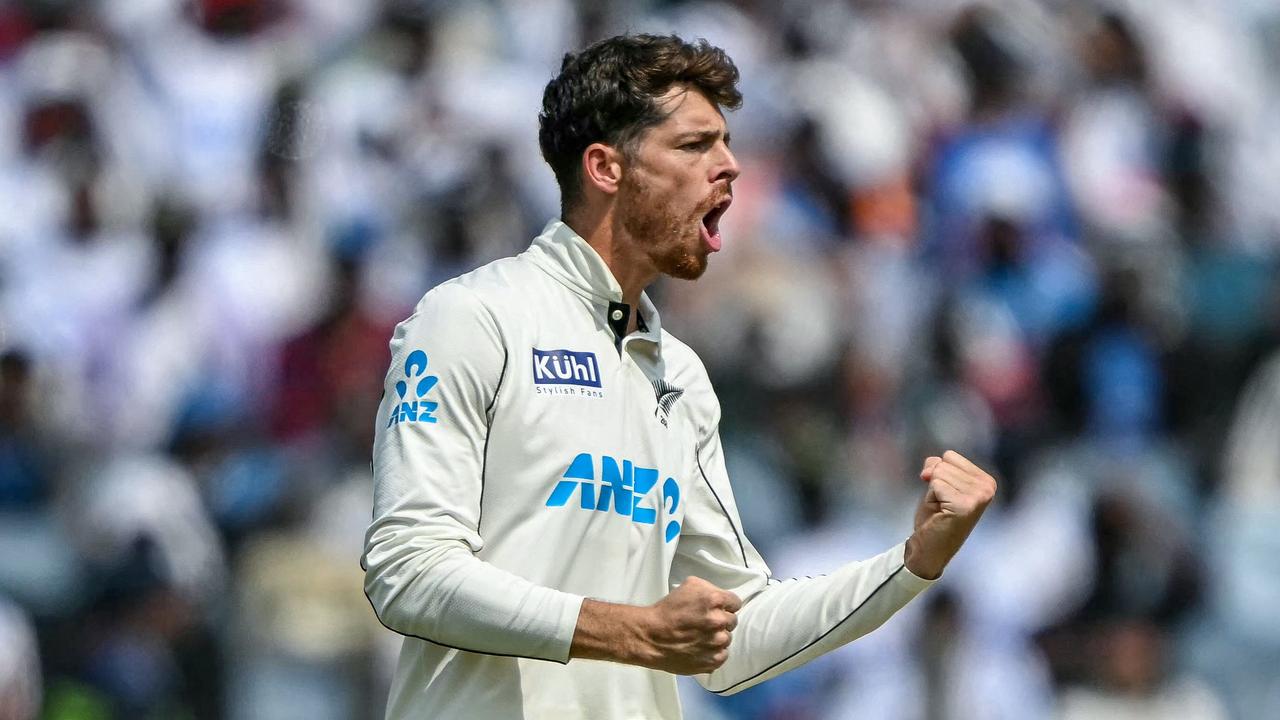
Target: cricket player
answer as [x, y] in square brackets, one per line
[554, 532]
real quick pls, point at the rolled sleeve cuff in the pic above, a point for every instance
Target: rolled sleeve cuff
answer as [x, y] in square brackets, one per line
[566, 625]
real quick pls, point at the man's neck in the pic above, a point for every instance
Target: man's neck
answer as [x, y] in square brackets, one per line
[620, 252]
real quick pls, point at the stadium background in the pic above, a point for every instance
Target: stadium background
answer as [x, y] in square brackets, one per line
[1042, 233]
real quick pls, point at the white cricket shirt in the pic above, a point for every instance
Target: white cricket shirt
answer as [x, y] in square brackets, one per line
[526, 457]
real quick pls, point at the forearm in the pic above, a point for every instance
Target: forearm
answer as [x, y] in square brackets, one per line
[687, 632]
[790, 623]
[613, 632]
[921, 562]
[439, 591]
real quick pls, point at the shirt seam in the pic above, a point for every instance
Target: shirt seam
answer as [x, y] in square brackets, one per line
[488, 430]
[736, 534]
[489, 410]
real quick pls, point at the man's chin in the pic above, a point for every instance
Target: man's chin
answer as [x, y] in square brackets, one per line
[688, 266]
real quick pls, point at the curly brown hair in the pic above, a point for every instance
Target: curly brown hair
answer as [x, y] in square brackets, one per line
[608, 93]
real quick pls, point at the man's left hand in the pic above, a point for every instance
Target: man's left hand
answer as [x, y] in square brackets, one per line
[958, 493]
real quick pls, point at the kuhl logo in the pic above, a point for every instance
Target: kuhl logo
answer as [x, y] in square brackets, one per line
[624, 487]
[565, 367]
[415, 409]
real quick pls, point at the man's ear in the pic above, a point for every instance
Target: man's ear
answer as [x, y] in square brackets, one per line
[602, 167]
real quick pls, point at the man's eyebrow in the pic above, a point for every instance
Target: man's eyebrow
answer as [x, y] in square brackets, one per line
[705, 134]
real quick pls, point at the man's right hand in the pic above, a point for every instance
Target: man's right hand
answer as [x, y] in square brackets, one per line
[690, 629]
[686, 633]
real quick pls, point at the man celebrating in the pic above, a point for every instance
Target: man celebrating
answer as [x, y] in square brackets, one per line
[554, 531]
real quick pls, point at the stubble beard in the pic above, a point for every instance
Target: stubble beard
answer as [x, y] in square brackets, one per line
[664, 236]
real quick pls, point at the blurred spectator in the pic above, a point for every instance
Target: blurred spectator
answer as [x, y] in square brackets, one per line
[330, 376]
[139, 637]
[1003, 164]
[26, 462]
[19, 665]
[1134, 682]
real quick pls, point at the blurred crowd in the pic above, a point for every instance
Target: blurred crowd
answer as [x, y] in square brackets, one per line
[1043, 233]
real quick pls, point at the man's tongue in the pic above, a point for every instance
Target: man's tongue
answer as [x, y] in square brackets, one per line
[711, 237]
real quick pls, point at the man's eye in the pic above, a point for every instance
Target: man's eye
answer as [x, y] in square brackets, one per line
[696, 145]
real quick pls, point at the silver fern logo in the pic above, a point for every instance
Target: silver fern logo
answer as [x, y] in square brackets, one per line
[667, 395]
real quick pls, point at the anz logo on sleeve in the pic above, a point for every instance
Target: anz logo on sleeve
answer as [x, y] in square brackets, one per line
[566, 372]
[623, 487]
[411, 404]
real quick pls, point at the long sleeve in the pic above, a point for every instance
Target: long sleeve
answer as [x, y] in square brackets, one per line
[782, 624]
[422, 575]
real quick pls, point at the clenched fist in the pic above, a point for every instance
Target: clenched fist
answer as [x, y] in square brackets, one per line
[690, 629]
[686, 633]
[958, 493]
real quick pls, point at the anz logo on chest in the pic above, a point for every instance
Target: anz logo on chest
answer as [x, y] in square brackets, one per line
[566, 372]
[623, 487]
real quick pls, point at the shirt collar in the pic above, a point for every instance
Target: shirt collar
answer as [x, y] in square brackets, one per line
[565, 256]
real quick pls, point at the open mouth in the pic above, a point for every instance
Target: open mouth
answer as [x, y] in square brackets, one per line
[711, 224]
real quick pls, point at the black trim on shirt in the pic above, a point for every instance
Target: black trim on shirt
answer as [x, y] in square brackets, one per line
[818, 639]
[736, 534]
[451, 647]
[618, 324]
[484, 457]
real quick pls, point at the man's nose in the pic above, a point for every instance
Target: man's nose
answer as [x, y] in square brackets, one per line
[727, 168]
